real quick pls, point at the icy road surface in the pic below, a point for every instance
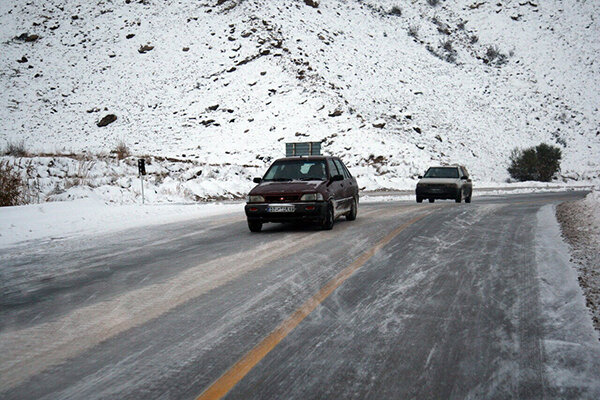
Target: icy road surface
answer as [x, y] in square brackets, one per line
[436, 300]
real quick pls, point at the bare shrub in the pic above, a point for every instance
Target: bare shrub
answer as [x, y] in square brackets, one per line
[493, 55]
[31, 185]
[11, 185]
[82, 174]
[492, 52]
[447, 45]
[413, 30]
[122, 150]
[16, 149]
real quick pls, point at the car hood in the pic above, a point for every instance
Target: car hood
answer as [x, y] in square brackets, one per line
[427, 181]
[287, 187]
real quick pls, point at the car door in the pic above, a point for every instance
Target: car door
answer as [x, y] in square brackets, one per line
[336, 188]
[468, 185]
[353, 190]
[348, 184]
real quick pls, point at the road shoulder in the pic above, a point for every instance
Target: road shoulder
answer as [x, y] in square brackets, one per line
[572, 350]
[580, 226]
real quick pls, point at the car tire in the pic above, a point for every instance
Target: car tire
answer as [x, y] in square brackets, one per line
[468, 199]
[351, 216]
[459, 196]
[255, 226]
[419, 199]
[329, 218]
[431, 200]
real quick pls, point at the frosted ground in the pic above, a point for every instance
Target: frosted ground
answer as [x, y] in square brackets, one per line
[224, 86]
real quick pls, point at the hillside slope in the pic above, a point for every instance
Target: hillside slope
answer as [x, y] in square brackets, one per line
[229, 81]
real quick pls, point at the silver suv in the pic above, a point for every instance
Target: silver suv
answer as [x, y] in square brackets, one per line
[445, 182]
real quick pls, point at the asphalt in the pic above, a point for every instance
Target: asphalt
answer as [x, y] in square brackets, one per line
[442, 301]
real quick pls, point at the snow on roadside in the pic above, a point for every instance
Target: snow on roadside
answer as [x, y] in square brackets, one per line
[592, 203]
[569, 337]
[62, 220]
[62, 178]
[580, 224]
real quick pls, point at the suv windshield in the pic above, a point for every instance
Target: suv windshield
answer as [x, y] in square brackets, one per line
[441, 173]
[297, 170]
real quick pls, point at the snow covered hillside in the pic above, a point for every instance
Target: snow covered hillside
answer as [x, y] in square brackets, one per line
[390, 86]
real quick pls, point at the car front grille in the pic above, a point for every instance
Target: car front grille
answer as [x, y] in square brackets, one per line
[440, 186]
[437, 187]
[284, 198]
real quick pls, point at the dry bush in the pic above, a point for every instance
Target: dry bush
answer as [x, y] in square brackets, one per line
[16, 149]
[492, 53]
[413, 30]
[122, 150]
[11, 185]
[82, 175]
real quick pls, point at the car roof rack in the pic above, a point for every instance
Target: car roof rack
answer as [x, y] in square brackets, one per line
[302, 149]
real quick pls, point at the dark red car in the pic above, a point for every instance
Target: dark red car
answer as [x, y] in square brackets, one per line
[314, 189]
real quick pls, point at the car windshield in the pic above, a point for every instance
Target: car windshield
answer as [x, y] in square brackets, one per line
[296, 170]
[441, 173]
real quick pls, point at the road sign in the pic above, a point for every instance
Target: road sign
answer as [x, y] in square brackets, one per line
[142, 171]
[142, 166]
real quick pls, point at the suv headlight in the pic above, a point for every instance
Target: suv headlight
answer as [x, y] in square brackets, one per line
[312, 197]
[255, 199]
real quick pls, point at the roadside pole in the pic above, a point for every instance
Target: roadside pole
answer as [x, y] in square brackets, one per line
[142, 172]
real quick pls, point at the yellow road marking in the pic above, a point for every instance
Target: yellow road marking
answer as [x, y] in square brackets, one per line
[233, 375]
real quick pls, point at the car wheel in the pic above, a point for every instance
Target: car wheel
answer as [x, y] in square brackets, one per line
[431, 200]
[255, 226]
[329, 217]
[419, 199]
[468, 199]
[459, 196]
[351, 216]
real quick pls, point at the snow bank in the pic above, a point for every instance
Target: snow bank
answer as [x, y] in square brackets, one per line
[570, 339]
[62, 220]
[592, 202]
[60, 178]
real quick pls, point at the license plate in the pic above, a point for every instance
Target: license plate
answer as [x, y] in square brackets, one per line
[281, 209]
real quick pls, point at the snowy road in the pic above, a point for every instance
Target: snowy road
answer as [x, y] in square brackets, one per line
[436, 300]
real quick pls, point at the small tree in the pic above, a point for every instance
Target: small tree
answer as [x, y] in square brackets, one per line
[538, 163]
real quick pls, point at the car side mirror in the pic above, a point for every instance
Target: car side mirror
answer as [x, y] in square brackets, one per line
[464, 178]
[336, 178]
[257, 180]
[420, 176]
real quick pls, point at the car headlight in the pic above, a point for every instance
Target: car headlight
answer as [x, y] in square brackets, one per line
[255, 199]
[312, 197]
